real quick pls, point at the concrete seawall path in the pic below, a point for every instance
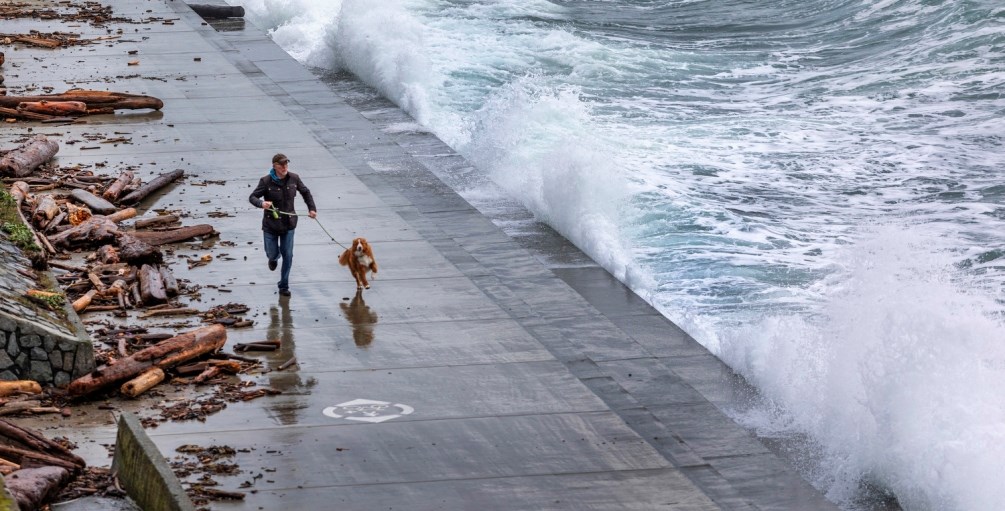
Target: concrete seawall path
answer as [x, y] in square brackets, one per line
[470, 376]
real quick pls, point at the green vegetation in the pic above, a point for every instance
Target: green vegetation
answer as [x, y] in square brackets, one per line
[53, 300]
[10, 223]
[14, 231]
[20, 236]
[7, 205]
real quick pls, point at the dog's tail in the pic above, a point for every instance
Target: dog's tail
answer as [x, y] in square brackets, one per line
[344, 258]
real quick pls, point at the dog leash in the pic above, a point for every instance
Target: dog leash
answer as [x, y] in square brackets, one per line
[276, 213]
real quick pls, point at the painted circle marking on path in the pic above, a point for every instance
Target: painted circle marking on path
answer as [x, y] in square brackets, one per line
[367, 410]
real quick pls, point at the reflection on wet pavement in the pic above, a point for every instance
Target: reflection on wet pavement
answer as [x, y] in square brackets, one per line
[281, 329]
[362, 319]
[288, 381]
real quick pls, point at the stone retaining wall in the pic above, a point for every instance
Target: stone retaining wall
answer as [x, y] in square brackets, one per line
[50, 347]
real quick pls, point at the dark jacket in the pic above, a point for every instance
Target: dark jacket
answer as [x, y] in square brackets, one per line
[281, 195]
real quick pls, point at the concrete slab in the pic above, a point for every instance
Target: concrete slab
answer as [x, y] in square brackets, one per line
[649, 489]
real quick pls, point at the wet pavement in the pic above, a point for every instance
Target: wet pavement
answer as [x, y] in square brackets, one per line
[471, 375]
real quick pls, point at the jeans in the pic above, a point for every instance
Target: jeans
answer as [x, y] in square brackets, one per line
[281, 245]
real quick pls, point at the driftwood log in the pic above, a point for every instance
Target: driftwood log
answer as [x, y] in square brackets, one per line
[119, 289]
[18, 440]
[35, 40]
[84, 301]
[77, 215]
[117, 269]
[33, 487]
[57, 108]
[32, 116]
[164, 354]
[157, 238]
[115, 189]
[257, 346]
[107, 254]
[157, 220]
[122, 214]
[8, 388]
[35, 458]
[21, 406]
[218, 11]
[156, 184]
[96, 282]
[143, 382]
[97, 230]
[170, 282]
[24, 159]
[134, 293]
[93, 98]
[93, 202]
[177, 311]
[54, 222]
[207, 374]
[134, 251]
[133, 185]
[151, 285]
[20, 191]
[85, 178]
[45, 210]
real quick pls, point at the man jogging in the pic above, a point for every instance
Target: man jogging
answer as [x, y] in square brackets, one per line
[274, 194]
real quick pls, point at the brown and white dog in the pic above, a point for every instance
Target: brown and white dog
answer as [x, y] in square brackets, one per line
[359, 259]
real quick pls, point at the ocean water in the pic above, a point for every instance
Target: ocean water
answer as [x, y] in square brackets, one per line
[813, 189]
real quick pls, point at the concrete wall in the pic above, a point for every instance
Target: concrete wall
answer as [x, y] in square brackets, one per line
[50, 347]
[143, 471]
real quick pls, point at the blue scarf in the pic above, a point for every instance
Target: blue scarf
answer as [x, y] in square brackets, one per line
[274, 176]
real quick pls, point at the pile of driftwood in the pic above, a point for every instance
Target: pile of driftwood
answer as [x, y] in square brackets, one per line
[41, 468]
[142, 370]
[51, 40]
[72, 104]
[80, 211]
[193, 357]
[104, 263]
[66, 11]
[24, 397]
[73, 211]
[34, 468]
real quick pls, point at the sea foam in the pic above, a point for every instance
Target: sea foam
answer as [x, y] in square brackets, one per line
[898, 376]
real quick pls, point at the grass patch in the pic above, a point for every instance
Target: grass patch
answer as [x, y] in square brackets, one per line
[54, 300]
[18, 233]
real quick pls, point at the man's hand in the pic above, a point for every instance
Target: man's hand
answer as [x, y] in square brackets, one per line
[312, 214]
[266, 204]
